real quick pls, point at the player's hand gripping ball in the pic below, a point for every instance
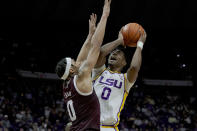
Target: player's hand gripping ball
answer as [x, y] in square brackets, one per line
[131, 33]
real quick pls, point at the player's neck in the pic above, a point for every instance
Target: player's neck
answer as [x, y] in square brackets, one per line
[114, 69]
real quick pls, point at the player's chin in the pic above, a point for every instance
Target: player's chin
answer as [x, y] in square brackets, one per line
[112, 62]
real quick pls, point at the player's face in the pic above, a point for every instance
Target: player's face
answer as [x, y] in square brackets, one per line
[116, 58]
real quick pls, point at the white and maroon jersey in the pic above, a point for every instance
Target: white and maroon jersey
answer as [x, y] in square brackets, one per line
[83, 108]
[112, 90]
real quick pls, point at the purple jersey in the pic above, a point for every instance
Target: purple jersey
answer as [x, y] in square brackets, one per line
[83, 109]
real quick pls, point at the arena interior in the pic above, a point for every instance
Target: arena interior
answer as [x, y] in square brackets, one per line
[35, 35]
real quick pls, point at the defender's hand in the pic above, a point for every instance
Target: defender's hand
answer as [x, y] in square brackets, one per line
[92, 23]
[106, 8]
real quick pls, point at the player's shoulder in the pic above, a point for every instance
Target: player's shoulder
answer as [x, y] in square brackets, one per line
[99, 69]
[96, 72]
[82, 87]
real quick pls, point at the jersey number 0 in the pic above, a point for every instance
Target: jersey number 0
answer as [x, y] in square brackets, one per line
[106, 93]
[71, 110]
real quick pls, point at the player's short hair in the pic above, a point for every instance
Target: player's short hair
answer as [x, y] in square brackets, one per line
[60, 67]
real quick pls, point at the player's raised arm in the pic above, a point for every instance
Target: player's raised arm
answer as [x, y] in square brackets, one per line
[84, 77]
[108, 48]
[97, 38]
[86, 46]
[135, 65]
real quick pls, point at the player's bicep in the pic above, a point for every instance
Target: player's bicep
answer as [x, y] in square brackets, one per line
[129, 84]
[84, 70]
[97, 71]
[83, 54]
[132, 74]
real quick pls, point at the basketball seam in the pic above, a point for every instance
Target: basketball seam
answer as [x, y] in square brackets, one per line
[137, 31]
[129, 36]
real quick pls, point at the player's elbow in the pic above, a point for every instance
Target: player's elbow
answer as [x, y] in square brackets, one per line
[102, 52]
[96, 42]
[96, 48]
[135, 68]
[135, 65]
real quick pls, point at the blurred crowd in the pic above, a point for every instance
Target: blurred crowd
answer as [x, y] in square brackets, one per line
[37, 105]
[161, 112]
[32, 105]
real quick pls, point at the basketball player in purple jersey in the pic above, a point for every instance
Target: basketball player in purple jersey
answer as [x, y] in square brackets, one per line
[81, 100]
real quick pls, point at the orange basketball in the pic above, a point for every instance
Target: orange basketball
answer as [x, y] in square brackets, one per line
[131, 34]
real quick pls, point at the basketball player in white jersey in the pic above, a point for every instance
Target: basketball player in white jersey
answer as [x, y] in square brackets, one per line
[112, 86]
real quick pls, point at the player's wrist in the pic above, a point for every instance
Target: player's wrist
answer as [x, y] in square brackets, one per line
[140, 44]
[120, 40]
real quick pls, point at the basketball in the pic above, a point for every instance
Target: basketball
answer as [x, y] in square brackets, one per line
[131, 34]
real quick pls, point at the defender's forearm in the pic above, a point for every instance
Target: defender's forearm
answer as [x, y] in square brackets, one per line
[85, 49]
[97, 38]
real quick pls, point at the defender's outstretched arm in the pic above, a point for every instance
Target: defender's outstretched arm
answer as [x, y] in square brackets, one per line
[86, 46]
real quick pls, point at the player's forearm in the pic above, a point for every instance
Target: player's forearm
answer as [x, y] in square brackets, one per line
[97, 38]
[137, 59]
[85, 49]
[96, 42]
[135, 65]
[107, 48]
[132, 72]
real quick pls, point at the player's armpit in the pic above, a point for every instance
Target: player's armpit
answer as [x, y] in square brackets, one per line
[83, 80]
[132, 74]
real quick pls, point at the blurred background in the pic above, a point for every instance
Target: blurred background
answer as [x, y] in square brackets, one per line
[35, 35]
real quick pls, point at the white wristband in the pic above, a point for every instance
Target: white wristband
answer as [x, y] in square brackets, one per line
[140, 44]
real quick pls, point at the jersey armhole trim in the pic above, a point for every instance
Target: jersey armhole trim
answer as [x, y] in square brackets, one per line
[95, 78]
[125, 83]
[78, 91]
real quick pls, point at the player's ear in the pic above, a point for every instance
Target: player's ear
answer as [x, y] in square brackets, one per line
[124, 62]
[71, 70]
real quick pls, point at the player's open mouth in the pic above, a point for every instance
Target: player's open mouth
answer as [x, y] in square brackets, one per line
[113, 58]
